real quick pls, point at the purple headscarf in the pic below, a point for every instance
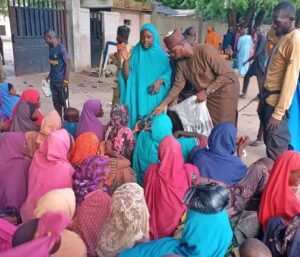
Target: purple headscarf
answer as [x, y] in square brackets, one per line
[22, 118]
[87, 178]
[88, 121]
[14, 169]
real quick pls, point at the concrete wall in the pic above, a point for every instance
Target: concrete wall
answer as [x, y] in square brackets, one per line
[164, 24]
[79, 39]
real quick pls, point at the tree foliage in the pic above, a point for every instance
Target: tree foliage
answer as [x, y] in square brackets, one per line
[220, 9]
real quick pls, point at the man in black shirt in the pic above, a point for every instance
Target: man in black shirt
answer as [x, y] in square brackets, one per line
[59, 71]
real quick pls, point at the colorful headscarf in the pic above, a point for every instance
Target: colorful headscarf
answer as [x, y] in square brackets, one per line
[218, 162]
[88, 121]
[50, 123]
[129, 221]
[32, 96]
[90, 218]
[14, 168]
[8, 101]
[133, 90]
[204, 235]
[50, 169]
[278, 199]
[87, 144]
[48, 231]
[88, 177]
[146, 148]
[22, 118]
[118, 133]
[57, 200]
[165, 185]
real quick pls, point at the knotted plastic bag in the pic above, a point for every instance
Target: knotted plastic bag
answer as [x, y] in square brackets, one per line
[207, 198]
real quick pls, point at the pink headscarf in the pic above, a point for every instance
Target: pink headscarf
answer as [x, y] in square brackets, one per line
[49, 229]
[50, 169]
[6, 233]
[165, 185]
[88, 121]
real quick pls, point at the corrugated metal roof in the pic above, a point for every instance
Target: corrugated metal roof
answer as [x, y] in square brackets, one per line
[165, 10]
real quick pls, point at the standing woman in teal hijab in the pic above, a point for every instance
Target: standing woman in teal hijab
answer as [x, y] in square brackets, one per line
[146, 75]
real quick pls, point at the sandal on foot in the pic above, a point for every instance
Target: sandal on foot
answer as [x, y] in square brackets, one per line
[256, 143]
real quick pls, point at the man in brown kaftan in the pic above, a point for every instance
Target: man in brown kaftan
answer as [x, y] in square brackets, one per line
[209, 74]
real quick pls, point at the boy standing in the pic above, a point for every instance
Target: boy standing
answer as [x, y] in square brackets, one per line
[122, 40]
[59, 71]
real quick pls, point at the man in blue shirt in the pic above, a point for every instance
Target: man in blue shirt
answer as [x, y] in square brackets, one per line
[59, 71]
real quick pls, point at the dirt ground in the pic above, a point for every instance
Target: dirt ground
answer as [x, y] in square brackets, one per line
[85, 86]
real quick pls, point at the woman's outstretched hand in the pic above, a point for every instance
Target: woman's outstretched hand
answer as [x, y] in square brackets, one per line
[122, 49]
[159, 109]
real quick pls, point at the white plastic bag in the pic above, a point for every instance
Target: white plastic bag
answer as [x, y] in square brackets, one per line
[46, 88]
[194, 116]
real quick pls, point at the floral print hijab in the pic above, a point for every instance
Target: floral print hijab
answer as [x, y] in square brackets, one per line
[118, 133]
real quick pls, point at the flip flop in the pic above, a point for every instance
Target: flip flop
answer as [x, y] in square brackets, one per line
[256, 143]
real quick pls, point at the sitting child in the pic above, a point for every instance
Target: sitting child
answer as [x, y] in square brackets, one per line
[229, 52]
[254, 248]
[71, 118]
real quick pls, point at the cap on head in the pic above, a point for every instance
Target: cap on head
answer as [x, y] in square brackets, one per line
[123, 31]
[173, 38]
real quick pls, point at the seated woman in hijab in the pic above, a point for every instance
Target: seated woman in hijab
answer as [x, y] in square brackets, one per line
[14, 169]
[28, 118]
[118, 133]
[8, 100]
[279, 196]
[90, 218]
[165, 185]
[128, 222]
[50, 169]
[86, 145]
[51, 122]
[25, 117]
[283, 238]
[90, 176]
[146, 75]
[57, 200]
[146, 148]
[207, 232]
[46, 236]
[88, 121]
[219, 164]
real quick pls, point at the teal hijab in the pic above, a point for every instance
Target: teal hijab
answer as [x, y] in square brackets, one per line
[146, 66]
[146, 147]
[204, 235]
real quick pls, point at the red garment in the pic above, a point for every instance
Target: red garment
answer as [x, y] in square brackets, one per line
[278, 199]
[90, 218]
[165, 185]
[33, 96]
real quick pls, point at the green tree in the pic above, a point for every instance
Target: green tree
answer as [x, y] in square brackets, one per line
[230, 10]
[3, 7]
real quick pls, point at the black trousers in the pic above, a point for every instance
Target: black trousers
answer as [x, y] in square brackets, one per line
[59, 96]
[278, 140]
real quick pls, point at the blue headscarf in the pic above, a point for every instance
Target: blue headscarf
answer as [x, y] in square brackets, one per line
[146, 147]
[146, 66]
[204, 235]
[218, 162]
[8, 101]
